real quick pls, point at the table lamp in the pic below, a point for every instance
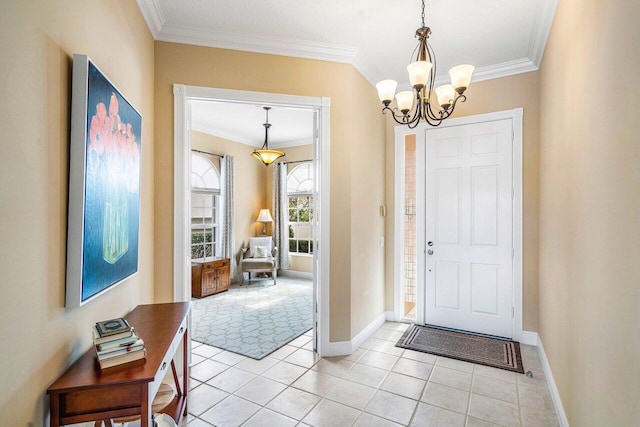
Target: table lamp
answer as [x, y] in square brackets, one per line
[264, 217]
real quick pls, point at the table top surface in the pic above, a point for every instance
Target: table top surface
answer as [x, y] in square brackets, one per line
[155, 324]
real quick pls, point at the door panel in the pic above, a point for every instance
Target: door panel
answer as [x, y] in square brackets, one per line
[468, 276]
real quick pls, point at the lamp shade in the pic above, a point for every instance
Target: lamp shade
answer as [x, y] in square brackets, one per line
[445, 94]
[264, 216]
[461, 76]
[267, 156]
[386, 90]
[419, 73]
[405, 100]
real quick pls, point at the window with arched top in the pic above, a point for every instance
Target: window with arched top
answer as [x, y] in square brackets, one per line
[300, 198]
[205, 211]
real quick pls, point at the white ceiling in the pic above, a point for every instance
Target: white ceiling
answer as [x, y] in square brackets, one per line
[499, 37]
[243, 123]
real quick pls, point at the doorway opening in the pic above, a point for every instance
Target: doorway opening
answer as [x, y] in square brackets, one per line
[190, 135]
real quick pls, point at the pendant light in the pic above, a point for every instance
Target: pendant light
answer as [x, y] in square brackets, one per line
[264, 154]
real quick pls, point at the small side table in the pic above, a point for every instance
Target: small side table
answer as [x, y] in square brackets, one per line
[209, 276]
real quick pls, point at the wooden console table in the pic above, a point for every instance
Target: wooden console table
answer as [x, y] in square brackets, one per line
[87, 393]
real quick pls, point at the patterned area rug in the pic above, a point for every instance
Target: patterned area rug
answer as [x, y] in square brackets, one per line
[482, 349]
[254, 319]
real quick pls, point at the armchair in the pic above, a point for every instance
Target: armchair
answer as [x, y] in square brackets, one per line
[260, 257]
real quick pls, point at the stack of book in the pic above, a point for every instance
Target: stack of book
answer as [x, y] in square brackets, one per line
[116, 343]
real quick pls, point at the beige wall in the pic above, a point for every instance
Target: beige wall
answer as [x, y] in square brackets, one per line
[40, 338]
[219, 68]
[590, 210]
[486, 97]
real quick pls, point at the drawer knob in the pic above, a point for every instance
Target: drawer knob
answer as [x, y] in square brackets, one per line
[164, 365]
[181, 329]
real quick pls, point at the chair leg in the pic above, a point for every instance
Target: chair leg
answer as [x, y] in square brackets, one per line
[275, 275]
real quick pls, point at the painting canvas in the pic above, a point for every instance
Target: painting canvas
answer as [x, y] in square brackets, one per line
[104, 186]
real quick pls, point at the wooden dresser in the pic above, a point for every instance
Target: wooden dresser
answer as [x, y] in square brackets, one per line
[209, 276]
[87, 393]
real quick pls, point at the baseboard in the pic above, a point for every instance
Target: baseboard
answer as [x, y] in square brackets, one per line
[563, 421]
[344, 348]
[529, 338]
[295, 274]
[390, 316]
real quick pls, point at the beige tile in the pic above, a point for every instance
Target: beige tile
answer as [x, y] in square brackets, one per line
[367, 375]
[283, 352]
[231, 379]
[308, 346]
[498, 389]
[370, 342]
[193, 383]
[284, 372]
[496, 411]
[378, 359]
[206, 351]
[538, 379]
[368, 420]
[231, 412]
[331, 414]
[195, 344]
[477, 422]
[195, 359]
[356, 355]
[260, 390]
[303, 358]
[420, 356]
[427, 415]
[257, 366]
[316, 382]
[336, 366]
[265, 417]
[203, 398]
[300, 341]
[533, 418]
[537, 398]
[207, 369]
[197, 422]
[403, 385]
[458, 365]
[294, 403]
[446, 397]
[499, 374]
[228, 358]
[387, 347]
[396, 326]
[451, 377]
[413, 368]
[351, 393]
[392, 407]
[309, 333]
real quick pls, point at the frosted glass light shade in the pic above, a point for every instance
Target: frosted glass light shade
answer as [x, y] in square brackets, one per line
[386, 90]
[445, 95]
[419, 72]
[267, 156]
[461, 76]
[264, 216]
[405, 100]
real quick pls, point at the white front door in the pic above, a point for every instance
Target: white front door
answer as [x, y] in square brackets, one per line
[469, 218]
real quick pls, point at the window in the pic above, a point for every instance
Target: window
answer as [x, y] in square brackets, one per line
[205, 208]
[300, 198]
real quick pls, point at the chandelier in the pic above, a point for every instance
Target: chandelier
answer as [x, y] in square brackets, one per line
[265, 155]
[422, 75]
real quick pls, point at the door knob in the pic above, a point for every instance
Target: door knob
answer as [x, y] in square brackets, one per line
[430, 251]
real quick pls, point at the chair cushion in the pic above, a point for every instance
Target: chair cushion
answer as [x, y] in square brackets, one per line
[259, 241]
[262, 252]
[258, 264]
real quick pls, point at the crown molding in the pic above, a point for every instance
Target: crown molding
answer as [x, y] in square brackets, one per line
[541, 30]
[213, 131]
[153, 16]
[258, 44]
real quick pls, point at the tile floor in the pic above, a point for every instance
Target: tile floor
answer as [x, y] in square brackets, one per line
[378, 385]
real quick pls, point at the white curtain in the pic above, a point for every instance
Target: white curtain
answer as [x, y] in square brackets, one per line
[280, 213]
[226, 210]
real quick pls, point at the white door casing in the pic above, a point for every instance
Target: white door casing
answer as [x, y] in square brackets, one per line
[516, 118]
[469, 282]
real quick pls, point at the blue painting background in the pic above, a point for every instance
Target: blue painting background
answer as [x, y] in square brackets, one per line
[97, 273]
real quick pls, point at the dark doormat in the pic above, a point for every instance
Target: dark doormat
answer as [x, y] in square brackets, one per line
[486, 350]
